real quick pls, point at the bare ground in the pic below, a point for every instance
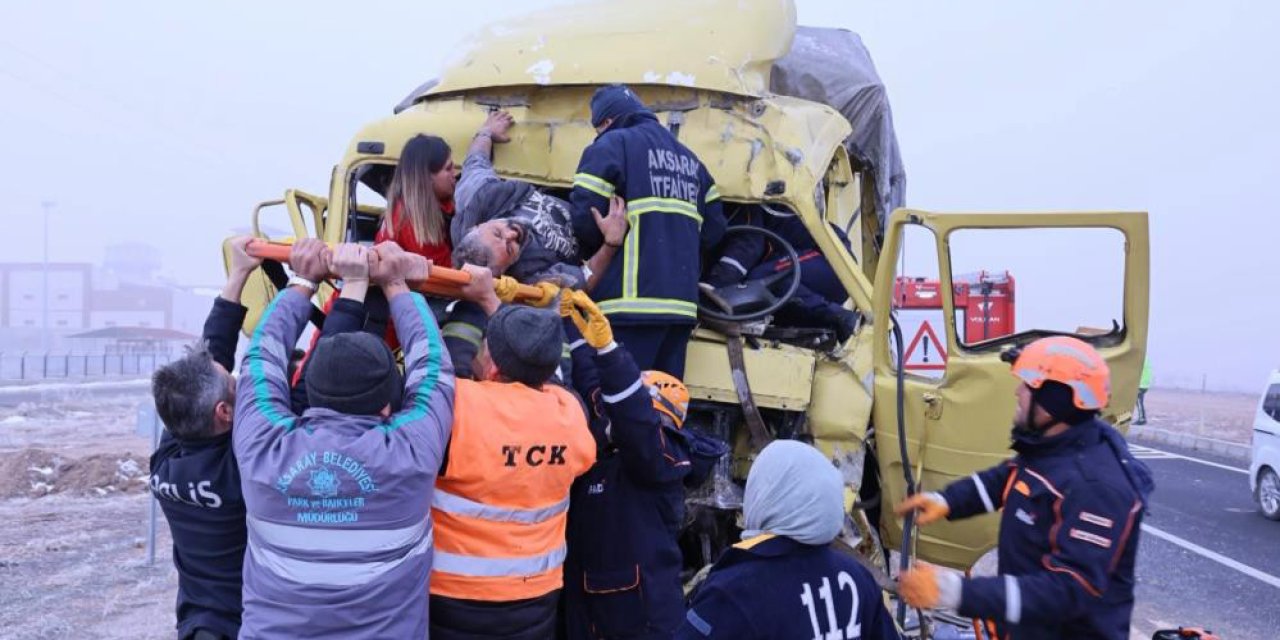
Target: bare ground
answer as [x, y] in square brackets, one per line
[72, 496]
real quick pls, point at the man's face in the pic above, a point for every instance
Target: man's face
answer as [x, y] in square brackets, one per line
[604, 126]
[503, 239]
[1038, 419]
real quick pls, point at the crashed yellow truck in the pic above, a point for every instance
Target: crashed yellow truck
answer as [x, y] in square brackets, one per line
[786, 118]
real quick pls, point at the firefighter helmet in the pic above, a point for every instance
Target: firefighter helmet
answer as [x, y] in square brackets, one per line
[670, 396]
[1070, 361]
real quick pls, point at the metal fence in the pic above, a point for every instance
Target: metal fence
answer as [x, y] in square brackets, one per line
[72, 366]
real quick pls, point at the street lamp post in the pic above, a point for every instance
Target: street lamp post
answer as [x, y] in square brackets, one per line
[44, 298]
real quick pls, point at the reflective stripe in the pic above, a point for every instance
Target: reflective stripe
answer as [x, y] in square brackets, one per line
[594, 184]
[566, 351]
[624, 394]
[460, 506]
[713, 194]
[336, 540]
[650, 306]
[339, 574]
[1012, 600]
[982, 491]
[578, 343]
[631, 257]
[663, 205]
[735, 264]
[498, 567]
[698, 624]
[463, 331]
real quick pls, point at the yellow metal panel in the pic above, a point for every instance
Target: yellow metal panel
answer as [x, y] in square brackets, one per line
[719, 45]
[781, 376]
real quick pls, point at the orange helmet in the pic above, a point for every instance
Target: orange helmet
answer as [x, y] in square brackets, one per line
[670, 396]
[1070, 361]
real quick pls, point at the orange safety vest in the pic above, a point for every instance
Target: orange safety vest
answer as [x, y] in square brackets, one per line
[501, 507]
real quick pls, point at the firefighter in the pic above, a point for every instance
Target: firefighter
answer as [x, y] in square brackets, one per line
[622, 576]
[1071, 502]
[650, 294]
[785, 580]
[818, 302]
[502, 498]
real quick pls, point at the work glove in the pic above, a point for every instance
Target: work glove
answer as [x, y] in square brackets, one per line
[932, 506]
[923, 586]
[506, 287]
[549, 293]
[586, 316]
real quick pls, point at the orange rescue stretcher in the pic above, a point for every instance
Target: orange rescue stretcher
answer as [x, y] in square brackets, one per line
[440, 281]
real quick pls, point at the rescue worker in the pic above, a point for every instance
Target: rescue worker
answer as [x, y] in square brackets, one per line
[502, 497]
[339, 542]
[785, 580]
[622, 576]
[651, 294]
[1144, 383]
[194, 474]
[818, 302]
[516, 230]
[1071, 502]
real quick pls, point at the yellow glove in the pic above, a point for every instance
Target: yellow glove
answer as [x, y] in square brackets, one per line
[924, 587]
[506, 287]
[590, 321]
[932, 507]
[549, 293]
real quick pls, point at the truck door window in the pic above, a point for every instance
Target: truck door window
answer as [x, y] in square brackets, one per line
[1067, 280]
[917, 305]
[1271, 402]
[369, 183]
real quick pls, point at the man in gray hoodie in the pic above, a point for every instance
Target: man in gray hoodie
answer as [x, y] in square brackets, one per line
[337, 499]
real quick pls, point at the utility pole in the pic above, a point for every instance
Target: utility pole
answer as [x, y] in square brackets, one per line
[44, 297]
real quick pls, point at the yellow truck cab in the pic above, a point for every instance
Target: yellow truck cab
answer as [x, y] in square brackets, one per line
[742, 86]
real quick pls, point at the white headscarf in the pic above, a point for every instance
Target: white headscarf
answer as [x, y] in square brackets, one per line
[794, 491]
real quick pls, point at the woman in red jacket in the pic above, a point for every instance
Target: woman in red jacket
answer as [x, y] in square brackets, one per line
[420, 199]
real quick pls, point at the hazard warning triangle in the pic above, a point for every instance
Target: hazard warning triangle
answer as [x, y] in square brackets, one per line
[925, 352]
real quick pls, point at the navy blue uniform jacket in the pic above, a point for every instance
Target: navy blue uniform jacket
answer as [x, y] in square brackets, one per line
[1071, 508]
[622, 575]
[675, 214]
[772, 587]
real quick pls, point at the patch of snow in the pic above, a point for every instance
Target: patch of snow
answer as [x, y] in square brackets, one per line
[14, 420]
[542, 42]
[652, 76]
[44, 471]
[541, 71]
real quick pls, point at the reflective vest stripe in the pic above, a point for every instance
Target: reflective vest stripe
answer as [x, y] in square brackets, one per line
[664, 205]
[463, 331]
[631, 257]
[624, 394]
[336, 540]
[458, 505]
[496, 589]
[713, 194]
[594, 184]
[487, 567]
[339, 574]
[652, 306]
[479, 536]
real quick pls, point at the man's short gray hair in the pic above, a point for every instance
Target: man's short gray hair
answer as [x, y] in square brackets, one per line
[471, 250]
[187, 390]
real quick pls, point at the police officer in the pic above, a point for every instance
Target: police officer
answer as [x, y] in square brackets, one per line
[1071, 503]
[622, 576]
[784, 580]
[819, 300]
[650, 295]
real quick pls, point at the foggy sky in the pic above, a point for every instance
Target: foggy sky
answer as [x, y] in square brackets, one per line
[165, 122]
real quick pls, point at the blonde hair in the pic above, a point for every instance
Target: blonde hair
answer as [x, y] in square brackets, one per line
[411, 187]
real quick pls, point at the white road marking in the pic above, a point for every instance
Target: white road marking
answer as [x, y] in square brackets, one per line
[1147, 453]
[1213, 555]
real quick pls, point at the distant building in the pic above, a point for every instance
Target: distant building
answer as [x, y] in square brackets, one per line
[82, 298]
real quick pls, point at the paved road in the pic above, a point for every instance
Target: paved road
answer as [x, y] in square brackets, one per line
[1206, 558]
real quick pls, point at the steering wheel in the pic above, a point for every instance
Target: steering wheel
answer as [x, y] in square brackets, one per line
[752, 299]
